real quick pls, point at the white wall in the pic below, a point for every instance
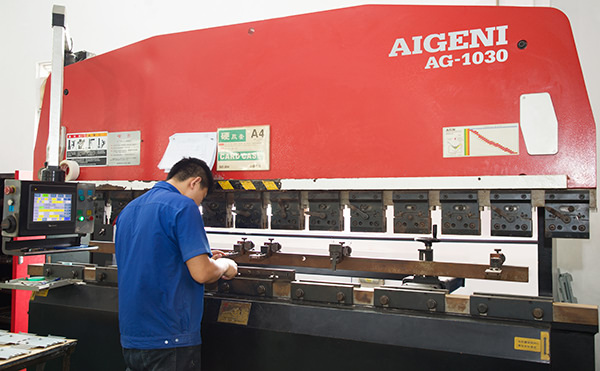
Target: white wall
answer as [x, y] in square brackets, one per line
[101, 26]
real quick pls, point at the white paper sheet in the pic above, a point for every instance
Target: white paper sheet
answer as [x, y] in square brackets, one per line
[199, 145]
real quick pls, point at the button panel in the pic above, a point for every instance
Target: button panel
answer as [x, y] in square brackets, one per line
[84, 220]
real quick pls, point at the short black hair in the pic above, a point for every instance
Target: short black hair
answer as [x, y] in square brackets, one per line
[192, 167]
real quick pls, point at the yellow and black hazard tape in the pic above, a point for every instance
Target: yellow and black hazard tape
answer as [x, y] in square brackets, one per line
[248, 185]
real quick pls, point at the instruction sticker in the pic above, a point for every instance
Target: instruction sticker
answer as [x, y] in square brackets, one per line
[541, 345]
[243, 148]
[234, 312]
[124, 148]
[481, 140]
[88, 149]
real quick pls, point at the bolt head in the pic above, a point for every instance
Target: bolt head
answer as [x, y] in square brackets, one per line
[431, 304]
[482, 308]
[384, 300]
[340, 296]
[299, 293]
[538, 313]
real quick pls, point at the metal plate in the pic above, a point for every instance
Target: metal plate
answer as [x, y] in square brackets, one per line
[249, 209]
[325, 210]
[511, 306]
[411, 212]
[367, 212]
[267, 273]
[287, 210]
[107, 275]
[247, 286]
[322, 292]
[216, 210]
[64, 271]
[414, 299]
[460, 212]
[567, 214]
[511, 213]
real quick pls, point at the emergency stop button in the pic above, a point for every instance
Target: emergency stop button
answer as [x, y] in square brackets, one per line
[9, 190]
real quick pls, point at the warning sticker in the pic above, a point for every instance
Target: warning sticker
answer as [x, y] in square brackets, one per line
[88, 149]
[124, 148]
[234, 312]
[541, 345]
[243, 148]
[481, 140]
[104, 148]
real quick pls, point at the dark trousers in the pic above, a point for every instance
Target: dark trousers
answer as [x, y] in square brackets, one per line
[171, 359]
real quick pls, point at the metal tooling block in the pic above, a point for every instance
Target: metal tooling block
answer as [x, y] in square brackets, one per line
[460, 212]
[216, 210]
[567, 214]
[322, 292]
[64, 271]
[325, 210]
[250, 210]
[511, 213]
[512, 306]
[411, 212]
[433, 300]
[247, 286]
[367, 212]
[287, 210]
[106, 275]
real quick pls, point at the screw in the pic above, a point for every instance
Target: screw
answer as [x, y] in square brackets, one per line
[340, 296]
[431, 304]
[384, 300]
[261, 290]
[522, 44]
[299, 293]
[225, 287]
[482, 308]
[538, 313]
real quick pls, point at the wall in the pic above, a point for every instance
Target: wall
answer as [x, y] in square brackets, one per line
[101, 26]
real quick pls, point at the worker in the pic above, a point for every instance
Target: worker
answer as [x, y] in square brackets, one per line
[164, 260]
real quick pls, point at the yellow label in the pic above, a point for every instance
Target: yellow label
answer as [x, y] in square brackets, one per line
[270, 185]
[248, 186]
[545, 344]
[42, 293]
[234, 312]
[225, 184]
[541, 345]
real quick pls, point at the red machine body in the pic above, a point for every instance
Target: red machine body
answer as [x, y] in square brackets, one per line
[339, 103]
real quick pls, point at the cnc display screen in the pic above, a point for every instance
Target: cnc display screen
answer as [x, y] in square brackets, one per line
[52, 207]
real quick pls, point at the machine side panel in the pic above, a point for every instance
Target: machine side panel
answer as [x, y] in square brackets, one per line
[340, 104]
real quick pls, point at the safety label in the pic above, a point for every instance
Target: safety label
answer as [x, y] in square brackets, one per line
[88, 149]
[481, 140]
[243, 148]
[104, 148]
[541, 345]
[234, 312]
[124, 148]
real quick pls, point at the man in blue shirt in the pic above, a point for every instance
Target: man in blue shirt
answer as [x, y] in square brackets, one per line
[164, 259]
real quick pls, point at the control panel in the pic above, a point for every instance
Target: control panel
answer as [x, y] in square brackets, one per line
[47, 208]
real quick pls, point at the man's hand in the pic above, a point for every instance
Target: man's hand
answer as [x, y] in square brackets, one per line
[232, 269]
[217, 254]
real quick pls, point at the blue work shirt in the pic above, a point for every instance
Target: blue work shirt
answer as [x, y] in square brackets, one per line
[160, 304]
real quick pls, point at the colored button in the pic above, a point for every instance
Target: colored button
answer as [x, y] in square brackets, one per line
[9, 189]
[81, 218]
[81, 198]
[81, 191]
[90, 192]
[11, 208]
[89, 212]
[91, 218]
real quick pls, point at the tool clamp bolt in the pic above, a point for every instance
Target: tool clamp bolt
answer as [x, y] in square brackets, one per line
[384, 300]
